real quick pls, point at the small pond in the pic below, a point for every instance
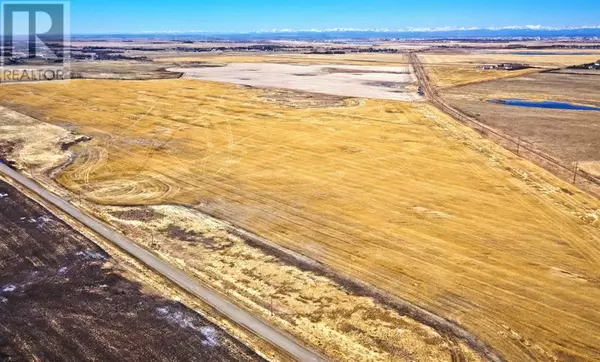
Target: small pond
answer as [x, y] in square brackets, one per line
[545, 104]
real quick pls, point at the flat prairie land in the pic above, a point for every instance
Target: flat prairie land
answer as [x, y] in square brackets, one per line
[591, 167]
[448, 70]
[394, 83]
[63, 298]
[292, 58]
[394, 194]
[448, 76]
[120, 70]
[570, 136]
[550, 60]
[290, 293]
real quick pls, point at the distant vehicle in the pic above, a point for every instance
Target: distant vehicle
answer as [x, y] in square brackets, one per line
[421, 92]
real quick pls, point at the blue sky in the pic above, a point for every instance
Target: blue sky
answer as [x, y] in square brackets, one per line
[111, 16]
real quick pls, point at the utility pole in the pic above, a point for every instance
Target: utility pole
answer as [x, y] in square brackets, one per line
[575, 175]
[519, 146]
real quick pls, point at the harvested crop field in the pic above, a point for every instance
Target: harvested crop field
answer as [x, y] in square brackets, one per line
[447, 76]
[120, 70]
[292, 294]
[63, 298]
[542, 61]
[395, 83]
[447, 70]
[289, 293]
[394, 194]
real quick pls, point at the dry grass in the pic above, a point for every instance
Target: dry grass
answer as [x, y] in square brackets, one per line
[569, 136]
[394, 194]
[347, 327]
[120, 70]
[591, 167]
[544, 61]
[446, 76]
[451, 70]
[314, 308]
[36, 142]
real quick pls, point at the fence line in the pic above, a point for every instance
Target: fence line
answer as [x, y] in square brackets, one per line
[513, 144]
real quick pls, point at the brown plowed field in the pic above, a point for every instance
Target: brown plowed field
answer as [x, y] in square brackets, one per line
[64, 299]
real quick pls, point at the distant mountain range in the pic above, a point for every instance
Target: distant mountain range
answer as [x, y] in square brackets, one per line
[513, 32]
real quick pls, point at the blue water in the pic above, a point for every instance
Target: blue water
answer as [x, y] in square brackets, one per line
[544, 104]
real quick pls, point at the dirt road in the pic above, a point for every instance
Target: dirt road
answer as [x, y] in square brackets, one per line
[432, 96]
[63, 298]
[173, 274]
[511, 142]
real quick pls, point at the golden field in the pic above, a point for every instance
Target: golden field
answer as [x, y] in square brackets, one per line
[343, 325]
[544, 61]
[447, 76]
[591, 167]
[451, 69]
[394, 194]
[316, 309]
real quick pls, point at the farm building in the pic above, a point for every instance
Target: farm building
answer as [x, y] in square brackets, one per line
[488, 66]
[504, 66]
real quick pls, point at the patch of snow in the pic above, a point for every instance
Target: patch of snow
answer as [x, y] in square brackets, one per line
[41, 221]
[3, 196]
[210, 334]
[44, 219]
[63, 270]
[163, 310]
[9, 288]
[86, 254]
[3, 300]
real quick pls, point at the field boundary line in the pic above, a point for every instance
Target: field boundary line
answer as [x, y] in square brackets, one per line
[571, 173]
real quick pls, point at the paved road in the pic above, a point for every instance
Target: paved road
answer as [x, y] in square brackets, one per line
[175, 275]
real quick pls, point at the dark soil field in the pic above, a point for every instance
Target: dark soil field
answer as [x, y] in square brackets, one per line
[62, 298]
[571, 136]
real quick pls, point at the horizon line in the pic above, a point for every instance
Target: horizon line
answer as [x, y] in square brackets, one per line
[366, 30]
